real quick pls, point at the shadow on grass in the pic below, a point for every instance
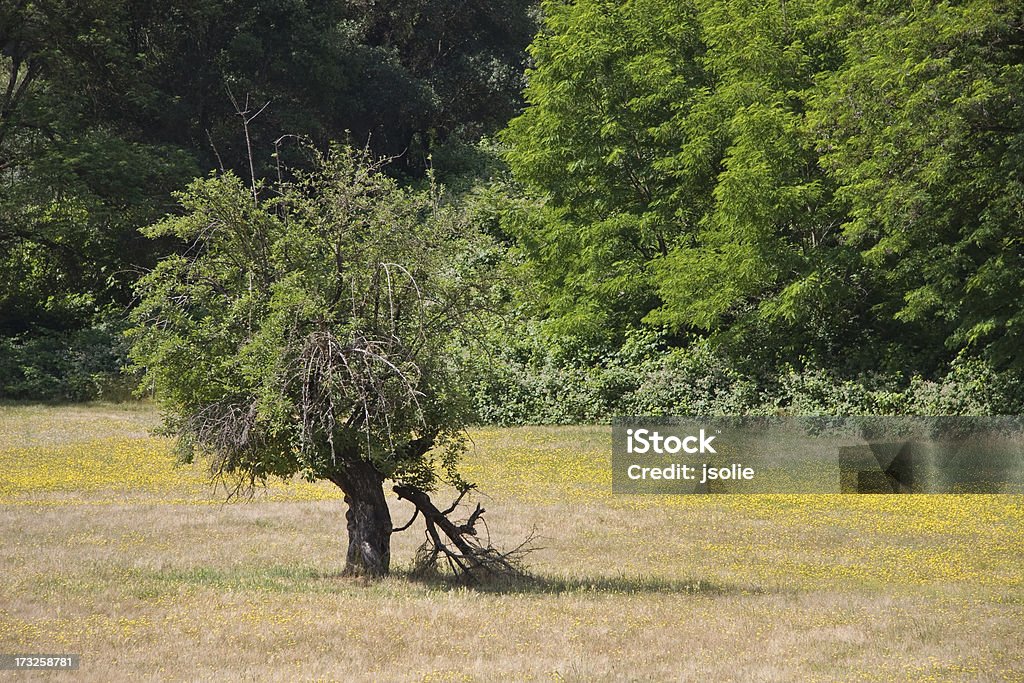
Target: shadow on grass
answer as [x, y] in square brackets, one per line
[297, 579]
[557, 585]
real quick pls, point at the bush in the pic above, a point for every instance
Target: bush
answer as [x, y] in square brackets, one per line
[972, 387]
[690, 381]
[530, 381]
[76, 365]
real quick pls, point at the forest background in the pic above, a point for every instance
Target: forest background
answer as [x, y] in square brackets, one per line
[706, 207]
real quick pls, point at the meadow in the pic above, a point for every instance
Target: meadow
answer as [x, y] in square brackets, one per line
[112, 551]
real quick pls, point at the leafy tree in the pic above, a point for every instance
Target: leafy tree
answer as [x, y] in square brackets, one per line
[316, 333]
[610, 85]
[765, 271]
[669, 139]
[106, 106]
[922, 125]
[469, 57]
[810, 182]
[74, 184]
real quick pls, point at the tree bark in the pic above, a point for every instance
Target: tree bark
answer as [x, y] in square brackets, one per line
[369, 520]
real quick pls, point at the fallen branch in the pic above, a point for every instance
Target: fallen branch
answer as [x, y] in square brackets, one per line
[468, 555]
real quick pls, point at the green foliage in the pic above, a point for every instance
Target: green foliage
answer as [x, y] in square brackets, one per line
[525, 382]
[78, 365]
[529, 380]
[812, 182]
[107, 106]
[313, 329]
[972, 387]
[610, 84]
[923, 127]
[712, 205]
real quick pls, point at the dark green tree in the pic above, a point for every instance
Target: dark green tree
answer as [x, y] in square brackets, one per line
[922, 127]
[75, 184]
[106, 106]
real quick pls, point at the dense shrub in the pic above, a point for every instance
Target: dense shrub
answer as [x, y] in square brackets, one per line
[529, 382]
[76, 365]
[971, 387]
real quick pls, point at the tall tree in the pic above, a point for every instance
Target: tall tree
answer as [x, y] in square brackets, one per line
[922, 125]
[765, 268]
[804, 181]
[612, 83]
[76, 181]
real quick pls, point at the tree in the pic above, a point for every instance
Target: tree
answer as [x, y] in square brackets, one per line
[804, 182]
[106, 106]
[764, 270]
[610, 85]
[75, 181]
[669, 141]
[922, 125]
[315, 333]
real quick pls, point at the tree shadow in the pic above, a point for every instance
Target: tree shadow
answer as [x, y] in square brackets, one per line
[534, 584]
[303, 579]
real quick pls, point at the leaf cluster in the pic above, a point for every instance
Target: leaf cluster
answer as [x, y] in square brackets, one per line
[316, 327]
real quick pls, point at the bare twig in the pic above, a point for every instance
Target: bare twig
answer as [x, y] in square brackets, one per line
[247, 117]
[220, 162]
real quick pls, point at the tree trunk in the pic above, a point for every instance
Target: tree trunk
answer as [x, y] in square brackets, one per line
[369, 520]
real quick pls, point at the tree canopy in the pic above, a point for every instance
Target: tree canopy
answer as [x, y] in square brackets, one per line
[813, 180]
[106, 106]
[811, 184]
[314, 332]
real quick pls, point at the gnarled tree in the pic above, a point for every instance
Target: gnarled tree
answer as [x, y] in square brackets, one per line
[314, 332]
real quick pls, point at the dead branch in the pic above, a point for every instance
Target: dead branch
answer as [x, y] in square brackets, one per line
[462, 494]
[247, 116]
[359, 368]
[469, 555]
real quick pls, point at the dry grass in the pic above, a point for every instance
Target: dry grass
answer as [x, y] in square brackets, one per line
[112, 552]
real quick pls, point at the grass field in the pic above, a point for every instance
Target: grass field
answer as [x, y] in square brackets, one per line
[112, 552]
